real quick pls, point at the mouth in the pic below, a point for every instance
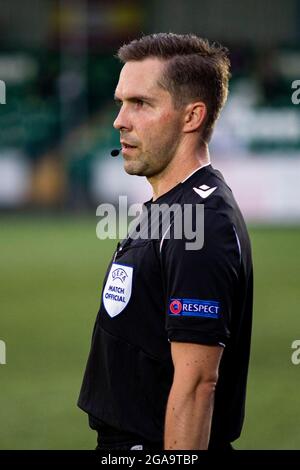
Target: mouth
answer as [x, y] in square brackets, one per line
[127, 147]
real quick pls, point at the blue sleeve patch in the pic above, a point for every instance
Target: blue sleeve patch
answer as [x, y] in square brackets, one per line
[194, 308]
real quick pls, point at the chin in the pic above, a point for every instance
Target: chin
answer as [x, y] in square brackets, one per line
[134, 170]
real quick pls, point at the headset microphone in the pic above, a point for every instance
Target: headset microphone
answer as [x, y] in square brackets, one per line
[115, 152]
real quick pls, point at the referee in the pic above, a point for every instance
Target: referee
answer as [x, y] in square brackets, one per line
[170, 348]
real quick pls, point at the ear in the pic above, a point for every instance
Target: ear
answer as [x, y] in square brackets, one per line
[194, 116]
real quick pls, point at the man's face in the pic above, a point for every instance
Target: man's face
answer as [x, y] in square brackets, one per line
[147, 120]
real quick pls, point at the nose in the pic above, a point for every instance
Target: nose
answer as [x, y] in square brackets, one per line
[122, 120]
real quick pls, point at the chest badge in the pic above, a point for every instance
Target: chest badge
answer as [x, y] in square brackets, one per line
[117, 290]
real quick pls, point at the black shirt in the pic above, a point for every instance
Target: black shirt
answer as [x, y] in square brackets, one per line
[157, 291]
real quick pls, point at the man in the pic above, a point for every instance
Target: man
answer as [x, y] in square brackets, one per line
[169, 356]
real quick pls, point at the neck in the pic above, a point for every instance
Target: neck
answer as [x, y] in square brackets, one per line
[179, 168]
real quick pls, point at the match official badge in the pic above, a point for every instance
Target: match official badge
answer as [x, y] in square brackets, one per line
[117, 290]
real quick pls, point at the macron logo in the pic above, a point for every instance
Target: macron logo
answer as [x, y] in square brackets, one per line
[204, 191]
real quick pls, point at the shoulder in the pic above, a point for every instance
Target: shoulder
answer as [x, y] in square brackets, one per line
[208, 188]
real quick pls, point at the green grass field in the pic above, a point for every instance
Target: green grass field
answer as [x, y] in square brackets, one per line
[50, 277]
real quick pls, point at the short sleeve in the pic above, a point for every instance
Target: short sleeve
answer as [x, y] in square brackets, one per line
[200, 284]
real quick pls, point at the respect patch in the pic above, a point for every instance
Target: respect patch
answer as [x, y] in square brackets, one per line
[194, 308]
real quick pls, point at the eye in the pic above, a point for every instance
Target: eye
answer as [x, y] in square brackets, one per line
[139, 103]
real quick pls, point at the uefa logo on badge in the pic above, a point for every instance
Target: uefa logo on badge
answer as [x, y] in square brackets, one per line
[175, 307]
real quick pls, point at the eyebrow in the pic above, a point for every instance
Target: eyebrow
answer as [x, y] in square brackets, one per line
[135, 98]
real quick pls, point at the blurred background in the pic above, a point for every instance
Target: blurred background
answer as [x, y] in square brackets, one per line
[56, 113]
